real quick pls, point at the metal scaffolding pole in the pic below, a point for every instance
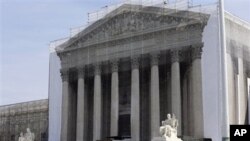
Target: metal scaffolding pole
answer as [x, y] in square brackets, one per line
[224, 86]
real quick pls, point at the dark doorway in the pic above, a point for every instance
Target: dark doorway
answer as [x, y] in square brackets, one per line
[124, 125]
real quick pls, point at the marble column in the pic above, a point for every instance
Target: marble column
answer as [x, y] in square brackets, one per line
[135, 100]
[176, 87]
[154, 97]
[65, 105]
[80, 106]
[242, 92]
[190, 103]
[114, 99]
[231, 90]
[197, 100]
[236, 83]
[97, 118]
[185, 106]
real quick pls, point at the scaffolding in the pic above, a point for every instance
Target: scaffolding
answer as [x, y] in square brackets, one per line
[167, 10]
[185, 5]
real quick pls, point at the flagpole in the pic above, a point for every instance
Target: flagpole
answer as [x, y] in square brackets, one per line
[224, 82]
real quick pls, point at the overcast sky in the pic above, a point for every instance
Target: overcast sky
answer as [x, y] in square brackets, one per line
[27, 27]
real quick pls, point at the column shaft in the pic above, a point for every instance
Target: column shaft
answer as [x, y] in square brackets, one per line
[242, 93]
[197, 100]
[231, 90]
[114, 100]
[176, 87]
[154, 97]
[185, 106]
[80, 106]
[97, 129]
[135, 101]
[190, 104]
[65, 106]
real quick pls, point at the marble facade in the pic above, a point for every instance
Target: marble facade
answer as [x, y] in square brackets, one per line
[238, 69]
[117, 73]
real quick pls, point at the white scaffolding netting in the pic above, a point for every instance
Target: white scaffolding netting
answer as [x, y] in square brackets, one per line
[211, 62]
[187, 5]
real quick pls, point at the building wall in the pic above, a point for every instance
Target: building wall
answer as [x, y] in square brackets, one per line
[238, 31]
[16, 118]
[238, 53]
[211, 74]
[55, 97]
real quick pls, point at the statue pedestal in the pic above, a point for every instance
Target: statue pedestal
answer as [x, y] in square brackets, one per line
[158, 139]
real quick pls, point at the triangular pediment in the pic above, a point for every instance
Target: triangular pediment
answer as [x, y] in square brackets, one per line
[130, 20]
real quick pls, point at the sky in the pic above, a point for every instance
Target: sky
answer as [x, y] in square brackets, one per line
[28, 26]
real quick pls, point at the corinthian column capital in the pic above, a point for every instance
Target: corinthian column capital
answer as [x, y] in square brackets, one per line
[196, 51]
[154, 59]
[175, 55]
[97, 68]
[115, 65]
[81, 72]
[135, 62]
[64, 74]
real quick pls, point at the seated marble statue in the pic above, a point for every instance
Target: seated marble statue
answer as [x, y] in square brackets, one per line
[29, 136]
[168, 130]
[21, 138]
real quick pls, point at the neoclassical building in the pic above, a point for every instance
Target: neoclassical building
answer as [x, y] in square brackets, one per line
[16, 118]
[125, 72]
[238, 69]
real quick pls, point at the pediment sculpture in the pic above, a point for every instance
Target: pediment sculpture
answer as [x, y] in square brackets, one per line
[28, 136]
[125, 24]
